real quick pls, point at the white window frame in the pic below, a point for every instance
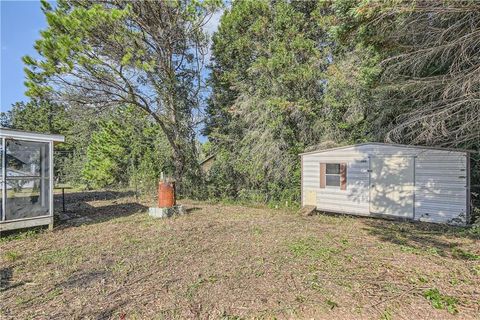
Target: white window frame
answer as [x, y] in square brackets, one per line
[339, 175]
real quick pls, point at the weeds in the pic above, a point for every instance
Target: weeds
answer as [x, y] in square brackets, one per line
[316, 284]
[387, 315]
[331, 304]
[311, 247]
[422, 279]
[409, 249]
[465, 255]
[440, 301]
[230, 317]
[470, 232]
[12, 255]
[54, 293]
[194, 287]
[435, 251]
[476, 270]
[69, 256]
[21, 235]
[23, 300]
[257, 230]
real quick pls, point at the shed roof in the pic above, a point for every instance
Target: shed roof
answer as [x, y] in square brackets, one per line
[27, 135]
[387, 144]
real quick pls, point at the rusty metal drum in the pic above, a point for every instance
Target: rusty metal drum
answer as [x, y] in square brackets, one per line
[166, 194]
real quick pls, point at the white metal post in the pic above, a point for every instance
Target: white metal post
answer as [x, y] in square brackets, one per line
[414, 185]
[51, 181]
[44, 161]
[4, 176]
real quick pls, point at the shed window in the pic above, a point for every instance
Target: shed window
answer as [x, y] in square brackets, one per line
[332, 174]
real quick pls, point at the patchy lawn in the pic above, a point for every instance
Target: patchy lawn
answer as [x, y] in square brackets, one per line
[111, 260]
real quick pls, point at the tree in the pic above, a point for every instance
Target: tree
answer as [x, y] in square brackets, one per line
[44, 117]
[429, 71]
[266, 103]
[38, 116]
[148, 54]
[126, 150]
[439, 70]
[240, 28]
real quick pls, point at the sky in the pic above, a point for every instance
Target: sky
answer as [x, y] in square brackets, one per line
[21, 22]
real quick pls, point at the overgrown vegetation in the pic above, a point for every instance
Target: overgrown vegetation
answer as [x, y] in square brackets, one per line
[336, 72]
[127, 150]
[128, 88]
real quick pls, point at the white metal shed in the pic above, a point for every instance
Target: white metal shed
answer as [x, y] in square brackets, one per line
[389, 180]
[26, 178]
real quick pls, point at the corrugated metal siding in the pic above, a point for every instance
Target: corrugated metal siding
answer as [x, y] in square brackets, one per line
[354, 199]
[441, 187]
[440, 181]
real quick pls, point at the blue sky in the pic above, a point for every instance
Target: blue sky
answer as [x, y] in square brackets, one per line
[21, 22]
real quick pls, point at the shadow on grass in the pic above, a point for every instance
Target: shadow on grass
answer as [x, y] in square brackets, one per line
[433, 238]
[87, 196]
[83, 279]
[83, 208]
[192, 209]
[80, 207]
[109, 311]
[6, 276]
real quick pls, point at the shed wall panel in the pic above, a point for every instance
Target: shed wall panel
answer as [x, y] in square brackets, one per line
[441, 188]
[352, 200]
[440, 181]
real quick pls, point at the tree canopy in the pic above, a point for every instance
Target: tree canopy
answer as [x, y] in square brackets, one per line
[142, 53]
[126, 81]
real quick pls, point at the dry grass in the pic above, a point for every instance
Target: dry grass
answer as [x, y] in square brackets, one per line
[236, 262]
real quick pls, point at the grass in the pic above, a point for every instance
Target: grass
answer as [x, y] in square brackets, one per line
[311, 247]
[12, 255]
[463, 254]
[441, 301]
[30, 233]
[331, 304]
[235, 262]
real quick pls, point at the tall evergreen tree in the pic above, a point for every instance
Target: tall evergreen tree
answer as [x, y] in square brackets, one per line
[267, 91]
[425, 79]
[43, 117]
[127, 150]
[148, 54]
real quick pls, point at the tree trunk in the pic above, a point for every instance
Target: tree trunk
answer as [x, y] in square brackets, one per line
[179, 165]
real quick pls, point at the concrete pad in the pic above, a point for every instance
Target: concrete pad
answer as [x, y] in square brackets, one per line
[156, 212]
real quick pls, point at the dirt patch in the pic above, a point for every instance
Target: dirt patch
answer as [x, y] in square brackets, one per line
[233, 262]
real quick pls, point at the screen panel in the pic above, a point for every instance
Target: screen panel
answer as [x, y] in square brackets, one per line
[27, 179]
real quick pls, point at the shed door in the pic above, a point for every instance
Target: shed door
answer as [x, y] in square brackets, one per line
[391, 186]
